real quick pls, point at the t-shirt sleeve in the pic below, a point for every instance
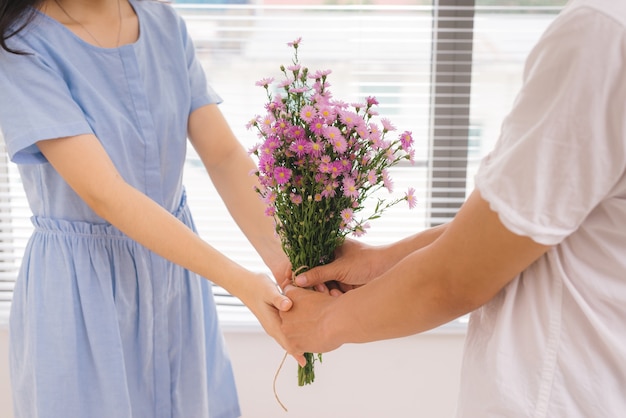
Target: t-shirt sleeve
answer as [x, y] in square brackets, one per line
[561, 149]
[35, 104]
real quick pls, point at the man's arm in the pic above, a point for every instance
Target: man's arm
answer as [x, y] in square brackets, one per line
[474, 257]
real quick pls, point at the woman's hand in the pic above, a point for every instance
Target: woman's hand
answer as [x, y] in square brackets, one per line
[265, 301]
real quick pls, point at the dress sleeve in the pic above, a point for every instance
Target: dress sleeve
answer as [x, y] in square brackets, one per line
[35, 104]
[201, 92]
[562, 148]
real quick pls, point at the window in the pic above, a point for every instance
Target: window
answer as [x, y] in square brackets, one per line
[446, 70]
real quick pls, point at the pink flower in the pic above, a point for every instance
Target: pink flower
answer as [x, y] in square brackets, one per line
[406, 140]
[267, 122]
[307, 113]
[349, 188]
[333, 134]
[347, 215]
[319, 74]
[410, 198]
[360, 229]
[299, 147]
[339, 144]
[266, 163]
[282, 175]
[253, 122]
[336, 169]
[268, 148]
[270, 211]
[363, 132]
[340, 104]
[296, 132]
[295, 43]
[298, 90]
[327, 113]
[264, 82]
[350, 119]
[412, 156]
[371, 101]
[317, 125]
[315, 148]
[387, 182]
[296, 199]
[387, 125]
[372, 178]
[330, 189]
[294, 68]
[285, 83]
[389, 154]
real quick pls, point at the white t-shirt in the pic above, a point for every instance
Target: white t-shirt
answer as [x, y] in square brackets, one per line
[552, 343]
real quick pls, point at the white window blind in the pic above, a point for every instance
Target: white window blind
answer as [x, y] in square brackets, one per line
[448, 71]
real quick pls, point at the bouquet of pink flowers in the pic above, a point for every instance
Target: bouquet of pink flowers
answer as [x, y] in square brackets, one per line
[319, 160]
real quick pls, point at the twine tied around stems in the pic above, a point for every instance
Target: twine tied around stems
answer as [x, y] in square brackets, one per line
[280, 366]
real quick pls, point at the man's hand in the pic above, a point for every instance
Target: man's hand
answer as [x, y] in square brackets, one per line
[355, 265]
[304, 324]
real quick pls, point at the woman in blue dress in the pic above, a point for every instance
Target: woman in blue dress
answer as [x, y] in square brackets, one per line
[111, 316]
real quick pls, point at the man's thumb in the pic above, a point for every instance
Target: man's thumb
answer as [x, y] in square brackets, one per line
[312, 277]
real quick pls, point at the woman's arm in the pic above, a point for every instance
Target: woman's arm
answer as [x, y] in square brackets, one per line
[230, 168]
[85, 165]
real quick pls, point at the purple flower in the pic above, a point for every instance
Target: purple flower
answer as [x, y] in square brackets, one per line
[282, 175]
[299, 147]
[336, 169]
[266, 163]
[406, 140]
[296, 132]
[371, 101]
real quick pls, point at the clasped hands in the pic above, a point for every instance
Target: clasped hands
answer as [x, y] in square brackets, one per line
[308, 325]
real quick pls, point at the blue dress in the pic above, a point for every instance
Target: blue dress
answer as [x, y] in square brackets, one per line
[101, 327]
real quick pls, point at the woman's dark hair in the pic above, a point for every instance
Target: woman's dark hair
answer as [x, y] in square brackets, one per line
[11, 12]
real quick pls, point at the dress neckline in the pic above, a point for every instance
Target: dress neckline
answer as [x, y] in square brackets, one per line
[89, 44]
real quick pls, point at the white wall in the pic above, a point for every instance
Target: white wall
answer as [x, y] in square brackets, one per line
[409, 377]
